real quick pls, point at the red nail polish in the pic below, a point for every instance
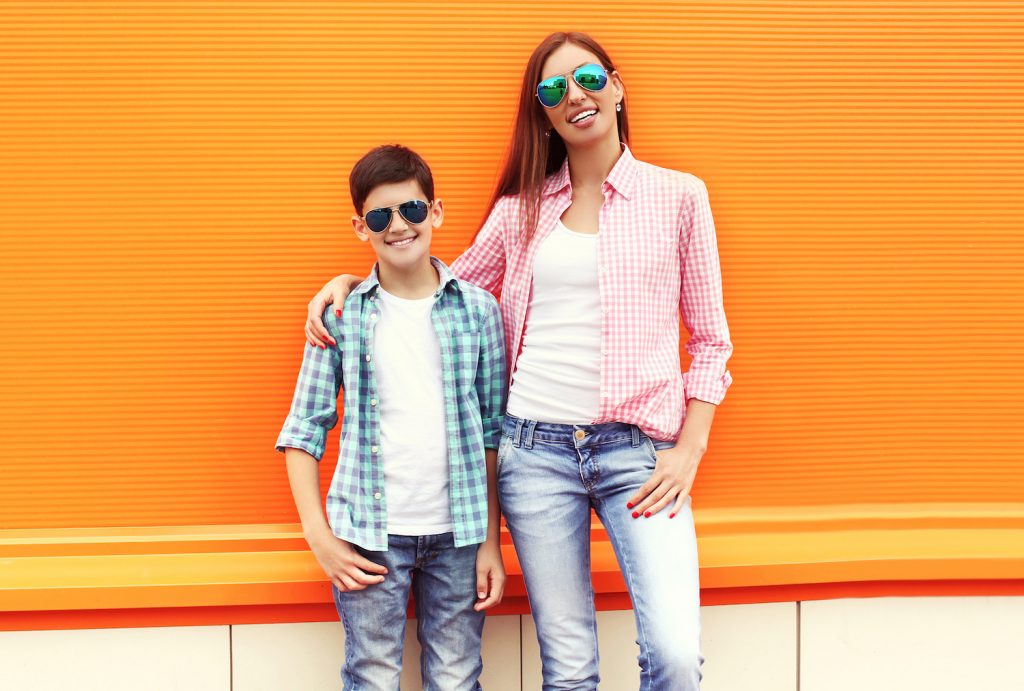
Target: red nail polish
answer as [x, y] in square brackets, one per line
[636, 514]
[671, 515]
[647, 514]
[337, 313]
[629, 505]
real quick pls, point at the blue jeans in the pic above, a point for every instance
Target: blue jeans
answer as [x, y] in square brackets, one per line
[550, 476]
[442, 578]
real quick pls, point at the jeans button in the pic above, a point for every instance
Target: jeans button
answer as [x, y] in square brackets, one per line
[580, 434]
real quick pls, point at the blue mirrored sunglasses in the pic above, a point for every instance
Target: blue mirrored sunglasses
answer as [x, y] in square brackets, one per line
[591, 77]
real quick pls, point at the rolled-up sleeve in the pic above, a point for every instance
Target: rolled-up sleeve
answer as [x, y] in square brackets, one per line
[700, 300]
[314, 410]
[490, 374]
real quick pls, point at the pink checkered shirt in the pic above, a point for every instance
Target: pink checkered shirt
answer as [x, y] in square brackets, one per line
[657, 256]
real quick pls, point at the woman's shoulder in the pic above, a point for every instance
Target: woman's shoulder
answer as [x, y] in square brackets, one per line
[669, 179]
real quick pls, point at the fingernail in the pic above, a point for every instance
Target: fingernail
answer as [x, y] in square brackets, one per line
[337, 313]
[671, 515]
[629, 505]
[481, 595]
[636, 514]
[647, 514]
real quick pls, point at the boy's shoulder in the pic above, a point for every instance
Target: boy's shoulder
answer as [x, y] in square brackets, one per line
[478, 300]
[349, 321]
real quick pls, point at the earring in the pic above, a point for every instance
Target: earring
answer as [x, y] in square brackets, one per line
[547, 133]
[618, 107]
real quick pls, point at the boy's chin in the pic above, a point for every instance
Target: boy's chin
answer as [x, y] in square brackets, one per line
[403, 260]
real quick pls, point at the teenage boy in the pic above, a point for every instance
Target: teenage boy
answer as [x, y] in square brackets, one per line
[413, 503]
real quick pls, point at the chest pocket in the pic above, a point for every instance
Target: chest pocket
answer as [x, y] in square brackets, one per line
[464, 350]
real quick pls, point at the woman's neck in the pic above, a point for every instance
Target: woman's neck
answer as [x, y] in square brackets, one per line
[589, 167]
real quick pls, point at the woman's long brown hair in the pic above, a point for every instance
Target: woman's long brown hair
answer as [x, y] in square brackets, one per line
[532, 156]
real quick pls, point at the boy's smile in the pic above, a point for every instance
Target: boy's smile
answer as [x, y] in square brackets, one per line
[403, 247]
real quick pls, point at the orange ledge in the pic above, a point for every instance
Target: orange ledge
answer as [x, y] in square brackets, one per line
[263, 573]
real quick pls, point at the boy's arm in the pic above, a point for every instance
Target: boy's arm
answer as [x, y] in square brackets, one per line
[313, 414]
[314, 410]
[490, 569]
[490, 386]
[491, 380]
[346, 568]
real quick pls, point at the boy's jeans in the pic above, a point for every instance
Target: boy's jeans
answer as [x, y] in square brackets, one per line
[549, 477]
[443, 582]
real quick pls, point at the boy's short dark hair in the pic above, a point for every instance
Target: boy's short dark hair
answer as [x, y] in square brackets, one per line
[388, 164]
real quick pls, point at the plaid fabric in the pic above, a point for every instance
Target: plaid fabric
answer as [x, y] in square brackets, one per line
[657, 257]
[468, 324]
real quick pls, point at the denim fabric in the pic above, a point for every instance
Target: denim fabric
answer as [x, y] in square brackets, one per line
[442, 578]
[550, 476]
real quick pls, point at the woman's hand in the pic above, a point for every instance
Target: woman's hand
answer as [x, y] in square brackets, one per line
[333, 293]
[347, 568]
[490, 575]
[670, 482]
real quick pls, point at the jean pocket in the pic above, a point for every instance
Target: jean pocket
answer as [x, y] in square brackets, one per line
[652, 452]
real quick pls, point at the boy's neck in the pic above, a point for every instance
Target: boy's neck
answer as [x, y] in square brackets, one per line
[412, 283]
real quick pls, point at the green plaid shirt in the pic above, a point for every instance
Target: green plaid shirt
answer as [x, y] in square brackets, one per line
[468, 325]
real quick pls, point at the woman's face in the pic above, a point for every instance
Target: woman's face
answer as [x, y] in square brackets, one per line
[583, 117]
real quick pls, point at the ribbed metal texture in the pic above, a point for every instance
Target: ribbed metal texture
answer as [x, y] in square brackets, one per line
[174, 183]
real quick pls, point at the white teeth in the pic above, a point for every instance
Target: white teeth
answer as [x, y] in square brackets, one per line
[402, 243]
[584, 114]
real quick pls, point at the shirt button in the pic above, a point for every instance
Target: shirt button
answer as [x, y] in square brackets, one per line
[367, 358]
[373, 315]
[580, 434]
[374, 449]
[373, 401]
[377, 495]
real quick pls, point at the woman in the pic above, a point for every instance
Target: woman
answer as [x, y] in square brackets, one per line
[596, 254]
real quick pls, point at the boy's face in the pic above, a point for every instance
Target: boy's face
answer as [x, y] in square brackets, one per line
[403, 245]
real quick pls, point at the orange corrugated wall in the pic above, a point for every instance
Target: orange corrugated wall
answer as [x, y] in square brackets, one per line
[174, 188]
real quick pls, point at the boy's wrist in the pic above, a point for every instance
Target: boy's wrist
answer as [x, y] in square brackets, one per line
[317, 533]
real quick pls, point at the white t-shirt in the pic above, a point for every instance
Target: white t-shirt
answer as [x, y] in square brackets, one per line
[558, 373]
[414, 446]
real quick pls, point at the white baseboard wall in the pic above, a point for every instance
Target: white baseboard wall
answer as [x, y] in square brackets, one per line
[885, 644]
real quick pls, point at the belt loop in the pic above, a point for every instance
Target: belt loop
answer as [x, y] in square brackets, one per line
[530, 426]
[636, 436]
[517, 439]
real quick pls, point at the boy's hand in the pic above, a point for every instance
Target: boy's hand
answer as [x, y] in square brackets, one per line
[490, 576]
[347, 568]
[333, 293]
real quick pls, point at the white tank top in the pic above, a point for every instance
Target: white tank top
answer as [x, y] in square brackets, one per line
[558, 373]
[414, 444]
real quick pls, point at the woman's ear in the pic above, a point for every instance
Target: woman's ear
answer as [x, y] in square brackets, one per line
[617, 88]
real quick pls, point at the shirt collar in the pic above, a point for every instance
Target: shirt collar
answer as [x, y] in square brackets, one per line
[621, 178]
[372, 282]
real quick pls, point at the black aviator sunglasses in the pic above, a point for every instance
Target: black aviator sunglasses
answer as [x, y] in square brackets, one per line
[414, 211]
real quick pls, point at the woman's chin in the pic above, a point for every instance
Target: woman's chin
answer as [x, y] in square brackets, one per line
[584, 138]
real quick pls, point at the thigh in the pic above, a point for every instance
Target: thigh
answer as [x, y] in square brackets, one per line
[374, 620]
[658, 559]
[448, 627]
[547, 510]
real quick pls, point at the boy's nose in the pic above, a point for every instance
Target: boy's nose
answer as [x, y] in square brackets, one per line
[398, 224]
